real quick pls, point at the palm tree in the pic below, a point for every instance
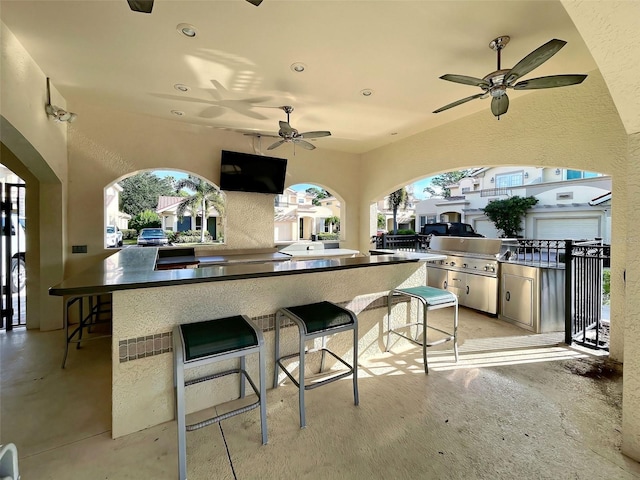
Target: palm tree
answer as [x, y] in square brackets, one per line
[204, 197]
[396, 199]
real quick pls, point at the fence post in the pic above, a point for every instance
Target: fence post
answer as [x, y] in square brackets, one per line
[384, 240]
[568, 292]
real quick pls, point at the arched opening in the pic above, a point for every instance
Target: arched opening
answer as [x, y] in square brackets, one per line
[186, 208]
[307, 212]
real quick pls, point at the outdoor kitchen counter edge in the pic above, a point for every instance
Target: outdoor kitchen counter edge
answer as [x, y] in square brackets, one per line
[134, 268]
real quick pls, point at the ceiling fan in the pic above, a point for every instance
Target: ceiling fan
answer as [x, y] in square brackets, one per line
[145, 6]
[291, 135]
[496, 83]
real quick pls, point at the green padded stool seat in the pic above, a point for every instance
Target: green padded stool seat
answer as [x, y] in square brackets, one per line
[431, 299]
[210, 341]
[316, 320]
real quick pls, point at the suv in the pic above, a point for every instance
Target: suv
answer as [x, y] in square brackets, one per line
[113, 236]
[450, 229]
[18, 240]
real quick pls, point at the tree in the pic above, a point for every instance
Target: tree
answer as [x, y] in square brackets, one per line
[140, 192]
[396, 200]
[333, 223]
[443, 181]
[382, 221]
[318, 194]
[145, 219]
[507, 214]
[204, 197]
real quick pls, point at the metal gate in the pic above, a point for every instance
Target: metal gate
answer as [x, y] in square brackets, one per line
[584, 268]
[14, 311]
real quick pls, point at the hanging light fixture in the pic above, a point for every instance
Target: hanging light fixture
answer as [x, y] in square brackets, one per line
[58, 114]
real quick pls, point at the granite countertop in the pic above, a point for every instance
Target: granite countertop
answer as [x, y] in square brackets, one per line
[133, 268]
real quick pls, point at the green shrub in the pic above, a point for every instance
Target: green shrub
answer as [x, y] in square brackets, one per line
[406, 232]
[327, 236]
[191, 236]
[606, 282]
[129, 233]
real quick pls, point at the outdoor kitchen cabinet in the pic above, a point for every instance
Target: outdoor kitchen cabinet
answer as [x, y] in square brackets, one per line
[532, 297]
[473, 290]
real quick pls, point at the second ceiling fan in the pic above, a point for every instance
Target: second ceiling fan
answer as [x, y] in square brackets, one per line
[291, 135]
[496, 83]
[146, 6]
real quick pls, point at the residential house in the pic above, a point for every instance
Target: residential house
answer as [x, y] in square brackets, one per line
[405, 216]
[112, 213]
[168, 210]
[566, 208]
[297, 218]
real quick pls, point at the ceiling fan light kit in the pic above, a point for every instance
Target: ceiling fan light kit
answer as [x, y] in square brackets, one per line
[496, 83]
[58, 114]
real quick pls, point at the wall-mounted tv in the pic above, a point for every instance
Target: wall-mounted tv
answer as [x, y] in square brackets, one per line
[244, 172]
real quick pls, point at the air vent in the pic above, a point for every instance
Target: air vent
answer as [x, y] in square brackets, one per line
[564, 196]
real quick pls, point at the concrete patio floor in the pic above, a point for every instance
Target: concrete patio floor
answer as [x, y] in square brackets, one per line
[515, 406]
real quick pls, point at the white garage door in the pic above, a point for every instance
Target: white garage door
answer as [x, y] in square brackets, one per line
[486, 228]
[567, 228]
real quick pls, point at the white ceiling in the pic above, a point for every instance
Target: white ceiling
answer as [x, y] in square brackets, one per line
[238, 66]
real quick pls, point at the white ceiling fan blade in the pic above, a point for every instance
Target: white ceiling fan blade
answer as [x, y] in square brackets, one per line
[275, 145]
[459, 102]
[465, 80]
[551, 81]
[285, 129]
[304, 144]
[534, 59]
[315, 134]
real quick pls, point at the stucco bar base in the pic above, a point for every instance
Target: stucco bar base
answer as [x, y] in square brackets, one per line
[143, 388]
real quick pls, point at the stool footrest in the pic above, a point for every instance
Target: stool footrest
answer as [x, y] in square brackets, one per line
[319, 382]
[224, 416]
[417, 342]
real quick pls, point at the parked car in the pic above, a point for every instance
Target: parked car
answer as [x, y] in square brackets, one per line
[152, 236]
[17, 266]
[113, 236]
[450, 229]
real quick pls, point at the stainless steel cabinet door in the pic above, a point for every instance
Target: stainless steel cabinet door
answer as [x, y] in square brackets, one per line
[437, 278]
[480, 293]
[516, 299]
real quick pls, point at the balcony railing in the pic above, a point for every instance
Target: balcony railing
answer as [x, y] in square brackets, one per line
[495, 192]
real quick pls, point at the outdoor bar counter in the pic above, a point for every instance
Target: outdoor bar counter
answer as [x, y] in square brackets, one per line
[147, 303]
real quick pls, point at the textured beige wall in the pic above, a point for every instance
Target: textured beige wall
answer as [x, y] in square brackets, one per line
[143, 388]
[35, 147]
[108, 145]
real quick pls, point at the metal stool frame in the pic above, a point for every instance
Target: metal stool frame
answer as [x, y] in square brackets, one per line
[91, 319]
[426, 307]
[304, 337]
[180, 384]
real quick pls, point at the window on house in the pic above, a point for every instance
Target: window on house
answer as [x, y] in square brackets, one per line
[506, 180]
[423, 220]
[432, 218]
[466, 189]
[575, 174]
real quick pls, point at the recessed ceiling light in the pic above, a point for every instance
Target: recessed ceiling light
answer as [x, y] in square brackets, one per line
[177, 113]
[181, 87]
[187, 30]
[367, 92]
[298, 67]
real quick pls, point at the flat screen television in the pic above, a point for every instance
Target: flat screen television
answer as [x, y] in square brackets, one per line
[244, 172]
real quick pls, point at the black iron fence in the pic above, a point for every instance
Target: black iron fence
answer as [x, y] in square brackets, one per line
[404, 243]
[585, 265]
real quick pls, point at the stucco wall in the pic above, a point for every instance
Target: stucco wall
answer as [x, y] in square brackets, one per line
[106, 146]
[35, 147]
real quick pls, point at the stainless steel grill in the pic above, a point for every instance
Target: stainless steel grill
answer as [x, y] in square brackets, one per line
[471, 270]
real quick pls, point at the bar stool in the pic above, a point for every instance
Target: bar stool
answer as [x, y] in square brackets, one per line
[431, 299]
[313, 321]
[203, 343]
